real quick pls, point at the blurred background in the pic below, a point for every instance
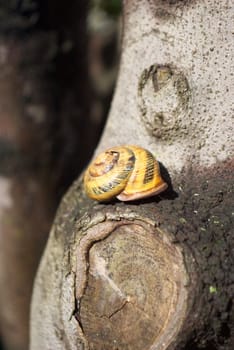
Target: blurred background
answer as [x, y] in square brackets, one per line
[58, 67]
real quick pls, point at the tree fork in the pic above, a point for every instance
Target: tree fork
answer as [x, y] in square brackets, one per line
[173, 100]
[137, 276]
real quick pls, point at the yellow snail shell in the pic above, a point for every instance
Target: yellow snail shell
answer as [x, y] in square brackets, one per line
[126, 172]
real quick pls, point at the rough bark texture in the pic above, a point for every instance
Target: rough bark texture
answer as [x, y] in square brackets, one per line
[196, 222]
[156, 274]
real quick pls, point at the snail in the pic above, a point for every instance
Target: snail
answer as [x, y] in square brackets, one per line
[125, 172]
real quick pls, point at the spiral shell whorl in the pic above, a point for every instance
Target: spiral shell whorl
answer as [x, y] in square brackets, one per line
[126, 172]
[108, 174]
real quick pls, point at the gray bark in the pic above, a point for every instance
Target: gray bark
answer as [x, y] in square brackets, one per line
[173, 96]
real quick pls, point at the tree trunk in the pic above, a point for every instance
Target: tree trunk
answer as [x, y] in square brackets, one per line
[153, 274]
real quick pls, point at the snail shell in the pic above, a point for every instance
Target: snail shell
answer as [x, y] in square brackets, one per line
[126, 172]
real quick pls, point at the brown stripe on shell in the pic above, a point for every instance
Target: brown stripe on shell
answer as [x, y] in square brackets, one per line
[149, 169]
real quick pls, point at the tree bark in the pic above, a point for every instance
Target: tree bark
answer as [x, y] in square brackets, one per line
[155, 274]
